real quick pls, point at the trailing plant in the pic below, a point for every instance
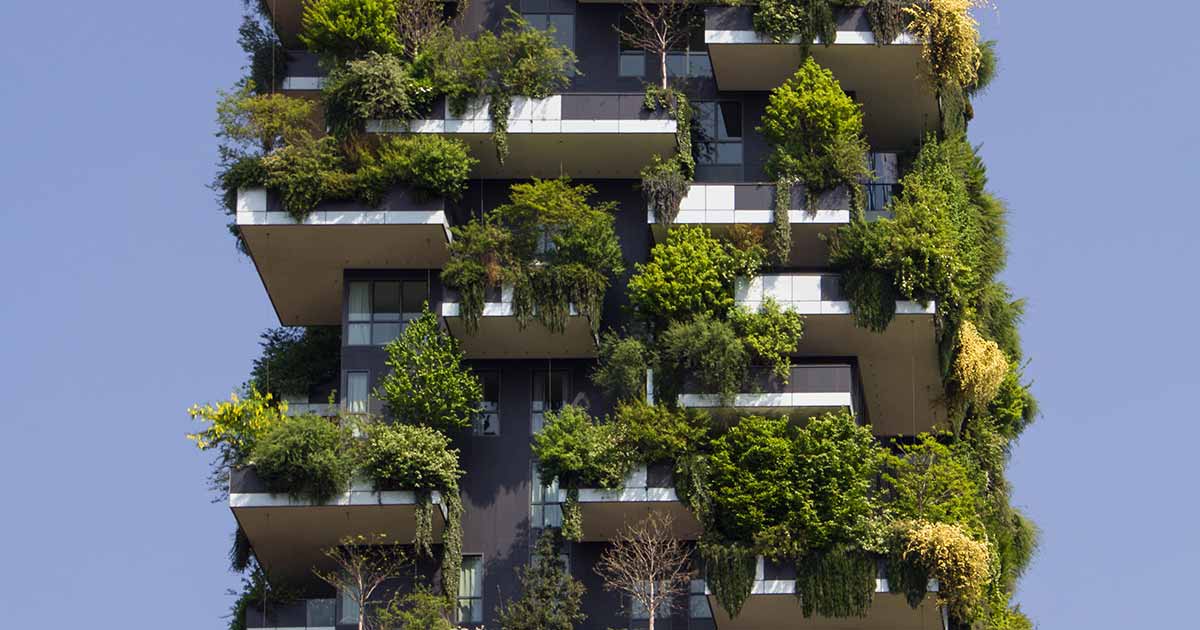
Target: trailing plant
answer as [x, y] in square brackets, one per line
[555, 249]
[308, 173]
[621, 370]
[836, 583]
[342, 30]
[815, 130]
[581, 452]
[805, 21]
[427, 383]
[305, 456]
[378, 86]
[771, 334]
[779, 240]
[729, 573]
[240, 554]
[962, 566]
[666, 181]
[706, 351]
[295, 360]
[452, 542]
[690, 274]
[951, 37]
[551, 599]
[572, 517]
[888, 19]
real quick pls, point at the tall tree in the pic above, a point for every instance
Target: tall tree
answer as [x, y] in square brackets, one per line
[648, 564]
[550, 597]
[657, 26]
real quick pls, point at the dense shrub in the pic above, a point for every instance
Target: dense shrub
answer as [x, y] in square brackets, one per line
[434, 165]
[930, 481]
[690, 274]
[979, 367]
[581, 452]
[305, 456]
[621, 369]
[771, 334]
[705, 351]
[427, 383]
[951, 38]
[295, 360]
[804, 20]
[308, 173]
[405, 457]
[374, 87]
[657, 433]
[341, 30]
[960, 564]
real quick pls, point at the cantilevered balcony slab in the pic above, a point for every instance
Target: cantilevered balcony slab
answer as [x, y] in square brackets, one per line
[772, 604]
[889, 81]
[587, 135]
[811, 391]
[301, 263]
[501, 336]
[605, 513]
[901, 379]
[289, 534]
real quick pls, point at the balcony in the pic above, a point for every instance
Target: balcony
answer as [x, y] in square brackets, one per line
[599, 136]
[811, 391]
[899, 105]
[647, 489]
[501, 336]
[773, 598]
[304, 614]
[301, 264]
[900, 373]
[288, 535]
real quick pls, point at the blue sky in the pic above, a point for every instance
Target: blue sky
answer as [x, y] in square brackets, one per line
[126, 302]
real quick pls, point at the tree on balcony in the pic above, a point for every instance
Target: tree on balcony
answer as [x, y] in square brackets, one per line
[647, 564]
[362, 563]
[658, 28]
[550, 597]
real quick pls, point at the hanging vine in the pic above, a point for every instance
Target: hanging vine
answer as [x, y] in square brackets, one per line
[779, 241]
[666, 181]
[729, 572]
[452, 542]
[836, 583]
[572, 518]
[423, 536]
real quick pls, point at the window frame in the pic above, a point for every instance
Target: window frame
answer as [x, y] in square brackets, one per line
[475, 597]
[487, 407]
[716, 141]
[374, 318]
[552, 9]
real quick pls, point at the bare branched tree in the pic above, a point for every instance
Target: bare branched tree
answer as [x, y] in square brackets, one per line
[362, 564]
[648, 564]
[657, 26]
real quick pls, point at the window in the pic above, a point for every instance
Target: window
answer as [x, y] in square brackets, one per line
[487, 421]
[358, 392]
[549, 394]
[638, 612]
[631, 61]
[543, 14]
[719, 127]
[691, 60]
[698, 607]
[349, 605]
[378, 309]
[470, 590]
[545, 510]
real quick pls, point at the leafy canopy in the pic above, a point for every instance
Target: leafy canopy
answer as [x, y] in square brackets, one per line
[407, 457]
[581, 452]
[305, 456]
[771, 334]
[295, 360]
[428, 384]
[341, 30]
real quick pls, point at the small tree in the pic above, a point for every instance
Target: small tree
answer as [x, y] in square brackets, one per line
[428, 384]
[647, 564]
[361, 565]
[550, 597]
[657, 26]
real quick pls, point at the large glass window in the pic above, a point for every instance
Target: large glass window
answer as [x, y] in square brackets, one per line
[690, 60]
[549, 394]
[543, 14]
[470, 590]
[487, 421]
[545, 510]
[358, 392]
[348, 602]
[379, 309]
[698, 607]
[718, 126]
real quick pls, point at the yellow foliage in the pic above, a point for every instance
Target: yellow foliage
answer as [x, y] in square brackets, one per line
[980, 366]
[951, 37]
[236, 424]
[961, 565]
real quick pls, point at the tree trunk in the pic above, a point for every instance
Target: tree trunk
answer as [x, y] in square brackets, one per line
[662, 67]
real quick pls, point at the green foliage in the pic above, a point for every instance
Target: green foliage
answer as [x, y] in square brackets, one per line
[986, 72]
[550, 598]
[550, 244]
[308, 173]
[405, 457]
[729, 572]
[802, 20]
[235, 427]
[930, 481]
[705, 351]
[1014, 408]
[305, 456]
[253, 125]
[812, 125]
[811, 485]
[779, 240]
[267, 60]
[836, 583]
[433, 165]
[258, 591]
[666, 181]
[581, 452]
[690, 274]
[771, 334]
[341, 30]
[240, 553]
[657, 433]
[961, 565]
[374, 87]
[428, 384]
[452, 543]
[621, 370]
[294, 360]
[888, 19]
[420, 609]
